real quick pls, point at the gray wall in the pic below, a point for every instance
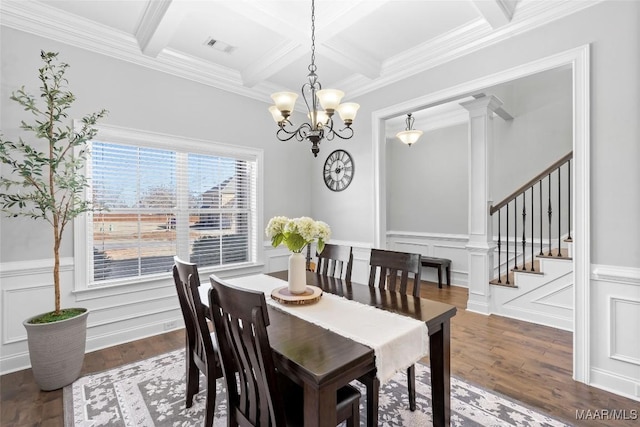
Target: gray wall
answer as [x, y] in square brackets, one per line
[144, 99]
[541, 132]
[427, 184]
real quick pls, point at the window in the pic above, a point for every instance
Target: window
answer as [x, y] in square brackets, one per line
[152, 203]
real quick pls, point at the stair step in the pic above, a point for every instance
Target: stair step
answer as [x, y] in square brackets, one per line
[527, 268]
[503, 281]
[564, 254]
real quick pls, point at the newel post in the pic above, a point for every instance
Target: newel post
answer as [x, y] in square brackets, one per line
[481, 246]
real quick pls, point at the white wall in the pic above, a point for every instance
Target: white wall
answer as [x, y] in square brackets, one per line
[137, 98]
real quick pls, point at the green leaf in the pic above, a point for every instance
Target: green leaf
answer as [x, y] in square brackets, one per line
[277, 240]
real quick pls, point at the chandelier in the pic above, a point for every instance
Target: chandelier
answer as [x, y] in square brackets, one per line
[409, 135]
[320, 125]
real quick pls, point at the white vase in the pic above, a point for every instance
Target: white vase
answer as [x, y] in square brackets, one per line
[297, 273]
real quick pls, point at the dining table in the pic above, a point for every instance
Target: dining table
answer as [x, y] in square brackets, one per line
[321, 361]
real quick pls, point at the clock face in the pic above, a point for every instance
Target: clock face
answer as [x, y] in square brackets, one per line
[338, 170]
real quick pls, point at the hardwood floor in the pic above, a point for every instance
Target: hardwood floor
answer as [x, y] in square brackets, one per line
[527, 362]
[521, 360]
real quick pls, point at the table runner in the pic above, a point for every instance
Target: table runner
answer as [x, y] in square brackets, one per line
[397, 341]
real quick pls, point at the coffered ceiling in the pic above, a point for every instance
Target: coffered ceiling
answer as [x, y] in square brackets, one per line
[256, 47]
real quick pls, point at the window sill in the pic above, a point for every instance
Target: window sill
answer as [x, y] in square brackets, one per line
[158, 281]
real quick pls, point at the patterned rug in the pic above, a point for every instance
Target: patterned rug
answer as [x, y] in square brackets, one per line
[151, 393]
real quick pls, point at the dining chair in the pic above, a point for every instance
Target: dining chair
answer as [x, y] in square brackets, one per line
[257, 395]
[335, 261]
[201, 349]
[387, 266]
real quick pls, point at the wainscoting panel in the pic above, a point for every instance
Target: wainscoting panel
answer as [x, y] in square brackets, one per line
[118, 314]
[615, 327]
[27, 290]
[450, 246]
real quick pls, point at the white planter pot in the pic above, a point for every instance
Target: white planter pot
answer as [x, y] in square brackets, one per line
[57, 350]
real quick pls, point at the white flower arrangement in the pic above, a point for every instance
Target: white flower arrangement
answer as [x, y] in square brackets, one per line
[297, 233]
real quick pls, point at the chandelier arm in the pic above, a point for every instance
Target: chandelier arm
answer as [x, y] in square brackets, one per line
[300, 133]
[283, 135]
[348, 133]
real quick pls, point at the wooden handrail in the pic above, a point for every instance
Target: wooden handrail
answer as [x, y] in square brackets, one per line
[531, 182]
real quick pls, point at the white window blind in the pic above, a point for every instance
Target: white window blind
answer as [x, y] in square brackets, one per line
[155, 203]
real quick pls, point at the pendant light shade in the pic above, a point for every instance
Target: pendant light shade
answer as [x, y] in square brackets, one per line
[409, 135]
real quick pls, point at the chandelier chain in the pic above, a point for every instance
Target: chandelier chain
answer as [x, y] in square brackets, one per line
[312, 66]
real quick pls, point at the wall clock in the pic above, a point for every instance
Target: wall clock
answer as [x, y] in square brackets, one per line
[338, 170]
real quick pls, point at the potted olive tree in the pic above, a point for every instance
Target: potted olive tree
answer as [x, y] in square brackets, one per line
[46, 182]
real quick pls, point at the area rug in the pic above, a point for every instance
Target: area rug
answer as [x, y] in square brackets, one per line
[152, 393]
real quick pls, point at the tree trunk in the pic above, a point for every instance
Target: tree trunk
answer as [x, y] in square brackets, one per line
[56, 268]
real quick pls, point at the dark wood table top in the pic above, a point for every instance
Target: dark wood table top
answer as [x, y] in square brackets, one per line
[433, 313]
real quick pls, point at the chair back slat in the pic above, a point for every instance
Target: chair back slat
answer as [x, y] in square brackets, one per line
[181, 272]
[335, 261]
[241, 319]
[204, 345]
[388, 266]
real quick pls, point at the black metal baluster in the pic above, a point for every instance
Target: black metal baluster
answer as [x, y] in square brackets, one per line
[549, 212]
[559, 215]
[569, 239]
[540, 187]
[532, 239]
[524, 222]
[515, 233]
[499, 251]
[507, 254]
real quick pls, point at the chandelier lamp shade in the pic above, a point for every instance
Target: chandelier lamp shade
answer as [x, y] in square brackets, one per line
[322, 104]
[409, 135]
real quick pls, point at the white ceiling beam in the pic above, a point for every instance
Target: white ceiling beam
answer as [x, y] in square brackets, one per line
[496, 12]
[159, 22]
[353, 59]
[270, 64]
[300, 42]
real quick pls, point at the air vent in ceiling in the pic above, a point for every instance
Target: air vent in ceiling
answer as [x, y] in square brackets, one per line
[219, 45]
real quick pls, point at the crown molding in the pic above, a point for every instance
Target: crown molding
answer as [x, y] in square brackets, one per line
[46, 21]
[464, 40]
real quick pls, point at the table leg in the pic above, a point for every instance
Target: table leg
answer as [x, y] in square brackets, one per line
[372, 383]
[440, 358]
[448, 275]
[439, 277]
[319, 406]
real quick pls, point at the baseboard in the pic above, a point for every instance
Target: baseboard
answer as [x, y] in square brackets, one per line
[20, 361]
[615, 383]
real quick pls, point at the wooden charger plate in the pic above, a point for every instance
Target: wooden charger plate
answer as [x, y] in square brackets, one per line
[311, 295]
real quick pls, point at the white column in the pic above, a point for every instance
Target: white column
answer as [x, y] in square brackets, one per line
[480, 247]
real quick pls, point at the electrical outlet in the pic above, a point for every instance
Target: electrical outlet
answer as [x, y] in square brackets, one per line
[170, 325]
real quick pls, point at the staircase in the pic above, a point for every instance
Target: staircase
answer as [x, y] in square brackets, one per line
[534, 270]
